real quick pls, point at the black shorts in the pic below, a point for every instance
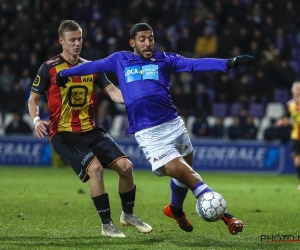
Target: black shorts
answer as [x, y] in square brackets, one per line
[295, 147]
[79, 149]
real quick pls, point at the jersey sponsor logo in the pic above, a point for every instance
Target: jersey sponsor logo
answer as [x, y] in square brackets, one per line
[87, 79]
[155, 159]
[77, 96]
[53, 61]
[136, 73]
[150, 72]
[159, 157]
[36, 81]
[133, 73]
[34, 89]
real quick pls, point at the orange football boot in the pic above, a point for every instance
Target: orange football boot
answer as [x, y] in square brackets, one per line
[234, 225]
[183, 222]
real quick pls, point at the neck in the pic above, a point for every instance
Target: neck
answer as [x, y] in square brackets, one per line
[70, 58]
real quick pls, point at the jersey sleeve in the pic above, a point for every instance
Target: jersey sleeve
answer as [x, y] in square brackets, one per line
[179, 64]
[287, 109]
[102, 81]
[41, 81]
[107, 64]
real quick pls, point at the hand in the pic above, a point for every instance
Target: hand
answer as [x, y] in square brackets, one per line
[236, 61]
[40, 128]
[61, 81]
[279, 123]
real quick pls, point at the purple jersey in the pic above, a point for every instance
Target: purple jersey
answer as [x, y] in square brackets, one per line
[145, 83]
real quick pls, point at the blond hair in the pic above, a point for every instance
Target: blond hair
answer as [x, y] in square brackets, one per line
[68, 25]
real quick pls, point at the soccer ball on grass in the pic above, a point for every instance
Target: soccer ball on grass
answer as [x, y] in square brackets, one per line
[210, 206]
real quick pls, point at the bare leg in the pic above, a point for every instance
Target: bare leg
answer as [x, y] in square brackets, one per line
[124, 169]
[297, 166]
[127, 191]
[179, 191]
[95, 172]
[179, 169]
[97, 191]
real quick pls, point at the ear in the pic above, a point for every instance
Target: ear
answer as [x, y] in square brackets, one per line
[60, 40]
[132, 43]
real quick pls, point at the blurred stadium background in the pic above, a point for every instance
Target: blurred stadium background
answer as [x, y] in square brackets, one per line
[227, 114]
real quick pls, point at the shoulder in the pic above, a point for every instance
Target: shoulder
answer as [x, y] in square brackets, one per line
[162, 55]
[51, 63]
[82, 60]
[54, 61]
[122, 54]
[289, 103]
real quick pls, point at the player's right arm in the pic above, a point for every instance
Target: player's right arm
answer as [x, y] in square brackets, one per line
[107, 64]
[286, 116]
[38, 88]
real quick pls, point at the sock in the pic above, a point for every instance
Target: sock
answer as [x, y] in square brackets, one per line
[128, 199]
[179, 192]
[102, 206]
[228, 215]
[298, 171]
[200, 188]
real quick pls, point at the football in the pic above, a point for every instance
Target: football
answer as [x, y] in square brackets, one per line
[210, 206]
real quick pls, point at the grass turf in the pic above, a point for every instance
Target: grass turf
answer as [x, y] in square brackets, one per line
[51, 209]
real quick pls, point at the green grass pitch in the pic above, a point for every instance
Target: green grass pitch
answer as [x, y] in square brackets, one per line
[51, 209]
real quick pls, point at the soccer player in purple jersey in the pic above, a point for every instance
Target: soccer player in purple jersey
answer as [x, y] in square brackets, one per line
[144, 79]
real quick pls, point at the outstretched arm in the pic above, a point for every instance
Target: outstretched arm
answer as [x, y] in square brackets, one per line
[103, 65]
[236, 61]
[79, 70]
[182, 64]
[83, 69]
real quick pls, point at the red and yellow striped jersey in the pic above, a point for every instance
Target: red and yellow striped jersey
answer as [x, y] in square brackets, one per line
[71, 108]
[294, 110]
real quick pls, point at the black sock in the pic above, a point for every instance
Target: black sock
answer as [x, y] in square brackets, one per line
[298, 171]
[127, 200]
[178, 212]
[102, 205]
[228, 215]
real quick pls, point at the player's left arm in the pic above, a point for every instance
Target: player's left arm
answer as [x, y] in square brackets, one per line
[109, 88]
[287, 115]
[179, 63]
[115, 94]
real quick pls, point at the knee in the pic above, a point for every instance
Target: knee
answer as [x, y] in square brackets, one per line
[188, 176]
[95, 170]
[125, 169]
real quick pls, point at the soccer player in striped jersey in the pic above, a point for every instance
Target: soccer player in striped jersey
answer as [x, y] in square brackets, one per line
[293, 113]
[87, 148]
[144, 78]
